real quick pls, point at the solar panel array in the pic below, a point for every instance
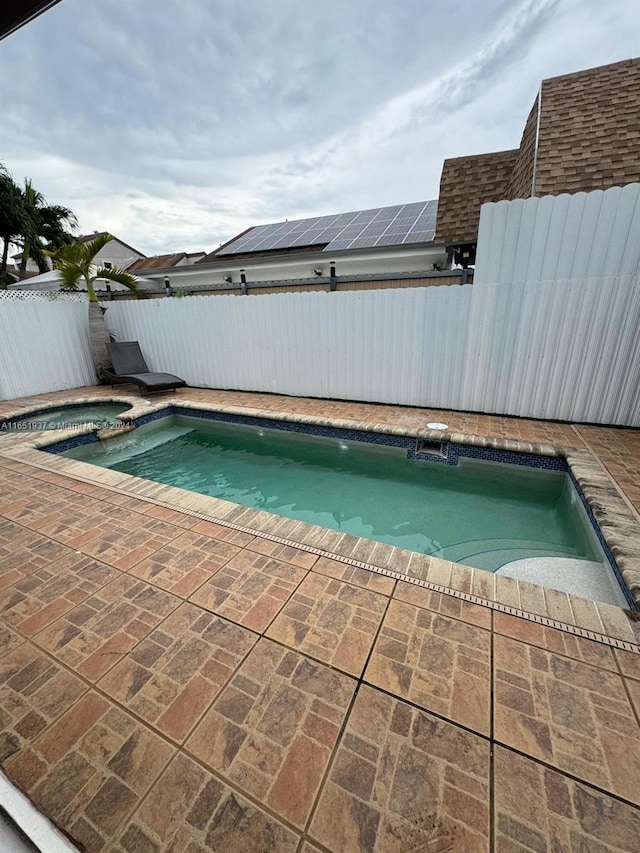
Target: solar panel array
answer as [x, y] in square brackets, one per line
[362, 229]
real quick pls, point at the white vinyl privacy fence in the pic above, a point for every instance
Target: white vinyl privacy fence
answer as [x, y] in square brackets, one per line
[549, 329]
[44, 343]
[563, 349]
[394, 346]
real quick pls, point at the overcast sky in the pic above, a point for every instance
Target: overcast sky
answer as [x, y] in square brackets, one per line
[177, 124]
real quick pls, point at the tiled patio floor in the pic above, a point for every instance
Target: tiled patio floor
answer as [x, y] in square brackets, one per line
[172, 684]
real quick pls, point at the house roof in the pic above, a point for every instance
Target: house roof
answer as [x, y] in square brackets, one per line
[467, 183]
[157, 262]
[590, 129]
[582, 134]
[15, 272]
[401, 224]
[84, 238]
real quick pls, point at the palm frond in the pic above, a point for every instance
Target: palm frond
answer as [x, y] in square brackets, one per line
[57, 212]
[71, 275]
[121, 277]
[72, 253]
[32, 197]
[92, 247]
[37, 253]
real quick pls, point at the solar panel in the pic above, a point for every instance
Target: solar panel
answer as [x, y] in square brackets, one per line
[380, 226]
[338, 245]
[363, 243]
[418, 237]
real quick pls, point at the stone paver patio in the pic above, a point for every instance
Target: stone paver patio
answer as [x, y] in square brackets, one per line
[171, 683]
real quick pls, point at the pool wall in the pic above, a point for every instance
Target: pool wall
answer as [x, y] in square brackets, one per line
[448, 453]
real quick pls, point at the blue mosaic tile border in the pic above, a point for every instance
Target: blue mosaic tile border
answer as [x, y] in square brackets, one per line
[304, 429]
[510, 457]
[450, 454]
[70, 443]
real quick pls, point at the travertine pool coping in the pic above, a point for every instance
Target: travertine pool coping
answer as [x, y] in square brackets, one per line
[619, 524]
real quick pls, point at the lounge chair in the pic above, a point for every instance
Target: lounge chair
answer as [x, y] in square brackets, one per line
[129, 367]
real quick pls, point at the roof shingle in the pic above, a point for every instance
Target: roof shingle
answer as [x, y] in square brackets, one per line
[588, 138]
[465, 184]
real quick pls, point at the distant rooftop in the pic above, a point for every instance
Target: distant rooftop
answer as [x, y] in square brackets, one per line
[398, 225]
[157, 262]
[85, 238]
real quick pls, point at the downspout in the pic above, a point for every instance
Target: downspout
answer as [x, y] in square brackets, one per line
[535, 150]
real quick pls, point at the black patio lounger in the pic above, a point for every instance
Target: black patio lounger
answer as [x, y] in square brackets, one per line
[129, 366]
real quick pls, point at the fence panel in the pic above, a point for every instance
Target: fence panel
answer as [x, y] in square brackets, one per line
[558, 349]
[44, 344]
[387, 346]
[565, 350]
[585, 235]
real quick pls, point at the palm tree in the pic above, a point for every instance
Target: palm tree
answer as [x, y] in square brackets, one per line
[12, 217]
[42, 222]
[77, 268]
[27, 220]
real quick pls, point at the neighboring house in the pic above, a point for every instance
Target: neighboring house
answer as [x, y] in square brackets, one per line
[582, 134]
[14, 274]
[377, 242]
[32, 266]
[116, 253]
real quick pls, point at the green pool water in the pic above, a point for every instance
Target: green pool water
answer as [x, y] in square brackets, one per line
[65, 417]
[479, 513]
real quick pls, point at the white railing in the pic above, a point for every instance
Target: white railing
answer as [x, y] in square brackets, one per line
[44, 343]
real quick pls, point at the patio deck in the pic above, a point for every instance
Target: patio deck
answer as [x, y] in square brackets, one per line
[174, 683]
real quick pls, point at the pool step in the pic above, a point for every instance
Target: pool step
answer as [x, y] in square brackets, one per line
[489, 554]
[576, 577]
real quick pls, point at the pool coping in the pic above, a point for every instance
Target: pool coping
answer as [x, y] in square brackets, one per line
[620, 526]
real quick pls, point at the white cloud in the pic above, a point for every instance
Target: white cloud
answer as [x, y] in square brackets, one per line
[176, 131]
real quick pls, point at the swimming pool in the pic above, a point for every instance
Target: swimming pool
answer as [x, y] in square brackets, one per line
[454, 502]
[64, 417]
